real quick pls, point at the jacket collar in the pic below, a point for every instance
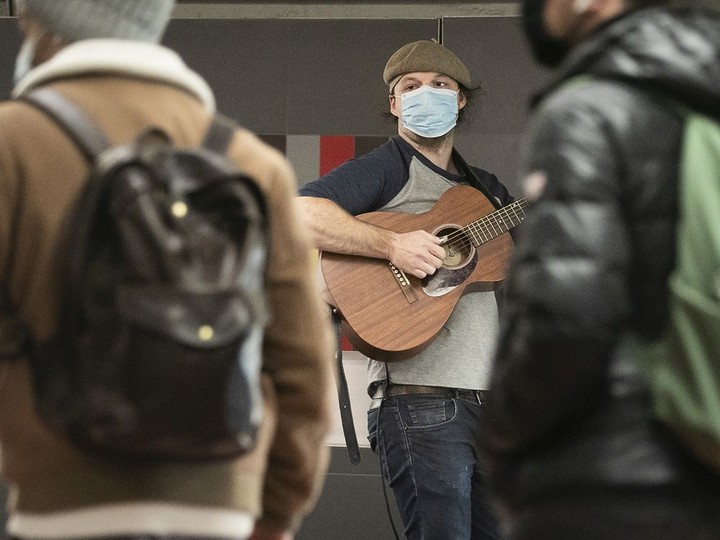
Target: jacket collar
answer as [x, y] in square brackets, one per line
[119, 57]
[668, 51]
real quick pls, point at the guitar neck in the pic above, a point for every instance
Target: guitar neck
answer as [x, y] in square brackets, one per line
[499, 222]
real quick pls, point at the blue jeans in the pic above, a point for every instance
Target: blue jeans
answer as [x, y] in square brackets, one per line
[428, 451]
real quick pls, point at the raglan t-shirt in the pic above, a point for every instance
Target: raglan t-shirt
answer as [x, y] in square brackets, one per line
[396, 177]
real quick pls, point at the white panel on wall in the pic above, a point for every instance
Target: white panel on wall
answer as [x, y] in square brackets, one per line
[303, 152]
[355, 366]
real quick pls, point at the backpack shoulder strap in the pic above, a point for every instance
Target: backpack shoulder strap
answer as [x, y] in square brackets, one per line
[217, 139]
[219, 134]
[15, 335]
[85, 133]
[92, 141]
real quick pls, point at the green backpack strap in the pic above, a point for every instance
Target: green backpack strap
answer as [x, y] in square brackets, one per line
[686, 378]
[683, 366]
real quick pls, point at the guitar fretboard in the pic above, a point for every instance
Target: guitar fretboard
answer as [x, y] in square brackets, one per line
[493, 225]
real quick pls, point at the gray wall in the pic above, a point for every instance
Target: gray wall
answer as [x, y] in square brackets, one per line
[297, 76]
[321, 77]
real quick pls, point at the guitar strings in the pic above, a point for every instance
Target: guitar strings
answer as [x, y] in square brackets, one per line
[481, 233]
[489, 227]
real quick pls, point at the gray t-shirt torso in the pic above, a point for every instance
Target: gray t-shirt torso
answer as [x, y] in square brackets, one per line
[396, 177]
[460, 355]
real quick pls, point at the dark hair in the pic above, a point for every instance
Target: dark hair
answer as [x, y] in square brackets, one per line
[472, 101]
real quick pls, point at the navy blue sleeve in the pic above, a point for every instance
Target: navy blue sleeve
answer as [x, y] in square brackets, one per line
[363, 184]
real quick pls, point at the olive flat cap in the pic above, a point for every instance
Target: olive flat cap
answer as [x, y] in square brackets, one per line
[426, 55]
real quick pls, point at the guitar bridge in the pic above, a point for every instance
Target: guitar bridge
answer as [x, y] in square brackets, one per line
[404, 283]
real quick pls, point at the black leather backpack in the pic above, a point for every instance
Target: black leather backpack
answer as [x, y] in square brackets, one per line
[158, 346]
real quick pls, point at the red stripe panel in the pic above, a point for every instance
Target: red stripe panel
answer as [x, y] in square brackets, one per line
[335, 150]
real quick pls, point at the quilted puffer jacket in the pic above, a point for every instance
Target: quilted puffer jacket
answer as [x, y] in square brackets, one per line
[593, 257]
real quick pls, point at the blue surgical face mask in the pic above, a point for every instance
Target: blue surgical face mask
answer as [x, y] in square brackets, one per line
[430, 112]
[25, 57]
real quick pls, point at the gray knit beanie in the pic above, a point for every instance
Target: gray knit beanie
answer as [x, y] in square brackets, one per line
[73, 20]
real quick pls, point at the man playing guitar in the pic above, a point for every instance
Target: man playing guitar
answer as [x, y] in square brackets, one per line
[424, 421]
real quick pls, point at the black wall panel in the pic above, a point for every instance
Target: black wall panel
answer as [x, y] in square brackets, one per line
[494, 48]
[297, 76]
[335, 84]
[245, 63]
[9, 44]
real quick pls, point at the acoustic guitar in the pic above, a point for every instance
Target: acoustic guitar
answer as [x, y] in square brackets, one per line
[388, 315]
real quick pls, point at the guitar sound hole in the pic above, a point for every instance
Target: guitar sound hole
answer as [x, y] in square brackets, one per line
[458, 248]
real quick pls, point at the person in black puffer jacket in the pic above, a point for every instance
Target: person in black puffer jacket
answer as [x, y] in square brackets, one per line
[572, 447]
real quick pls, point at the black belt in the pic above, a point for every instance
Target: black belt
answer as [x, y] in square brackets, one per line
[394, 390]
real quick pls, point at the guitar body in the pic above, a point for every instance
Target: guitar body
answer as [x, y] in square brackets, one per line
[388, 315]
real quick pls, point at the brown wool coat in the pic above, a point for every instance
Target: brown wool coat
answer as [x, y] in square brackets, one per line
[40, 175]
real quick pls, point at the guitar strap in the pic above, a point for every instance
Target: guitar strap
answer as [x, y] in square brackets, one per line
[474, 181]
[477, 184]
[346, 417]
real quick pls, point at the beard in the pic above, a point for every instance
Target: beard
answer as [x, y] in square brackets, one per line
[432, 144]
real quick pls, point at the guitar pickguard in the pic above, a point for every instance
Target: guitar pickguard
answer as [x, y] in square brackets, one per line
[460, 262]
[445, 279]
